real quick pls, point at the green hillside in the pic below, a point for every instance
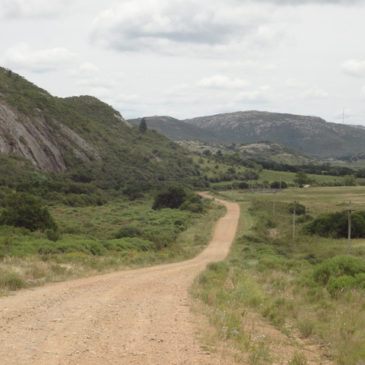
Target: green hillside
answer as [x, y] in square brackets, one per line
[86, 140]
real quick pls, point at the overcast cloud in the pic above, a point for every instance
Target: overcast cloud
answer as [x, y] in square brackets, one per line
[189, 58]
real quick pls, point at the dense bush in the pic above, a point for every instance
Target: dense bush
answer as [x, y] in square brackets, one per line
[25, 210]
[338, 266]
[278, 185]
[340, 273]
[243, 185]
[335, 225]
[172, 198]
[175, 197]
[299, 208]
[129, 231]
[193, 203]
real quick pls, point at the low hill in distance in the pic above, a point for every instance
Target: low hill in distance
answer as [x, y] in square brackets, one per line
[177, 130]
[312, 136]
[260, 151]
[84, 139]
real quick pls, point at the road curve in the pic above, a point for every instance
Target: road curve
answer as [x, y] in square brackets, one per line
[129, 317]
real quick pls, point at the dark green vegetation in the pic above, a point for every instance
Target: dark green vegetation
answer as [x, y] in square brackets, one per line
[310, 135]
[335, 225]
[306, 287]
[176, 197]
[25, 210]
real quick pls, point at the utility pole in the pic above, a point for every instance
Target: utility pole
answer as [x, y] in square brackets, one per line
[349, 230]
[294, 216]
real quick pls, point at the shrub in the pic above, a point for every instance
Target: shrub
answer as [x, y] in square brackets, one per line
[299, 208]
[335, 225]
[278, 185]
[243, 185]
[25, 210]
[193, 203]
[128, 231]
[337, 285]
[11, 281]
[173, 197]
[131, 243]
[338, 266]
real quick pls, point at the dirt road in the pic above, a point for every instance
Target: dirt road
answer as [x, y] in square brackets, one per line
[131, 317]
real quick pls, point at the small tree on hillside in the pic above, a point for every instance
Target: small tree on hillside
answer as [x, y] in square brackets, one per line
[25, 210]
[143, 125]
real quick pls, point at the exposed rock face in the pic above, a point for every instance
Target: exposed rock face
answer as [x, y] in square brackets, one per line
[40, 141]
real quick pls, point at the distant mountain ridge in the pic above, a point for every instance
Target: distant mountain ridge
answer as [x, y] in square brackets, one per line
[310, 135]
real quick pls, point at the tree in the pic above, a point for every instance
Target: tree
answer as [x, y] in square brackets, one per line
[301, 178]
[25, 210]
[143, 125]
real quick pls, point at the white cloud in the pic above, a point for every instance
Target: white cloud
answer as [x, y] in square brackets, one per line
[315, 93]
[308, 2]
[354, 67]
[258, 95]
[88, 68]
[33, 8]
[159, 25]
[222, 82]
[294, 83]
[23, 57]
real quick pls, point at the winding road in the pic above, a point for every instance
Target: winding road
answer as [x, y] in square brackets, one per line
[129, 317]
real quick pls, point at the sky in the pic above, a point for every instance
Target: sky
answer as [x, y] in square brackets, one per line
[193, 58]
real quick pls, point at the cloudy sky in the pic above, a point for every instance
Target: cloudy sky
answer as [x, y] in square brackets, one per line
[189, 58]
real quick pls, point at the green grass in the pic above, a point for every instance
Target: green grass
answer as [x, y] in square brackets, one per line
[274, 276]
[91, 241]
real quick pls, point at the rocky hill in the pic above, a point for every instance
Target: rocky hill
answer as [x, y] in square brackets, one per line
[84, 138]
[312, 136]
[177, 130]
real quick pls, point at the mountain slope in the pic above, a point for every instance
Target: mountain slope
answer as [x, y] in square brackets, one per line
[85, 138]
[311, 135]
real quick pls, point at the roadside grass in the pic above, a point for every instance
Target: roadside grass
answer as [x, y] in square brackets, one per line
[274, 276]
[94, 240]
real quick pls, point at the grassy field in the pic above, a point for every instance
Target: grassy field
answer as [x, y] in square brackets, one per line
[297, 286]
[119, 235]
[222, 175]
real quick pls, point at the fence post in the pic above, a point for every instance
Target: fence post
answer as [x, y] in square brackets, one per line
[349, 230]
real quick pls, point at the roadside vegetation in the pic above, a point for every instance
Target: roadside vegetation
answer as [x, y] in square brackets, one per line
[307, 287]
[94, 239]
